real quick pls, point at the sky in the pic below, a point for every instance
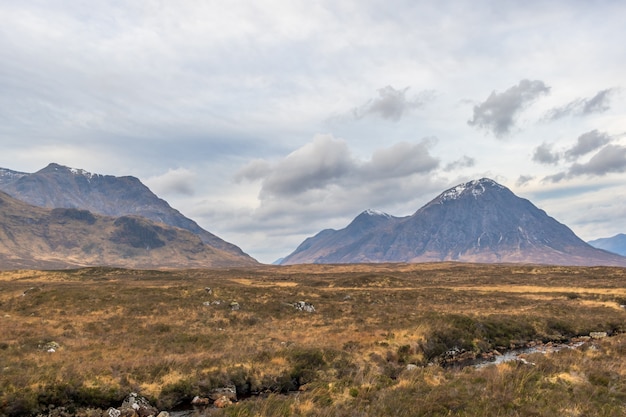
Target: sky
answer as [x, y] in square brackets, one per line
[268, 121]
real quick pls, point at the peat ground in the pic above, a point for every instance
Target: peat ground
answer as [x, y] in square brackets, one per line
[374, 344]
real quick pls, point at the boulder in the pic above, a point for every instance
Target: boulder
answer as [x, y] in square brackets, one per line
[197, 400]
[304, 306]
[598, 335]
[222, 402]
[137, 404]
[230, 392]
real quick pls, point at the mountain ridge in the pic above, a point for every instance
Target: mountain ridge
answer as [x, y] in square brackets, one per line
[34, 237]
[58, 186]
[477, 221]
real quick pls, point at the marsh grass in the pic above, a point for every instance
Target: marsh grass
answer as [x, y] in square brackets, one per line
[160, 333]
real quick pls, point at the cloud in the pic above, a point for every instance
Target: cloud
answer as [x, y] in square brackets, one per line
[391, 104]
[327, 164]
[523, 180]
[464, 162]
[587, 142]
[499, 111]
[174, 181]
[400, 160]
[544, 155]
[583, 106]
[611, 158]
[313, 166]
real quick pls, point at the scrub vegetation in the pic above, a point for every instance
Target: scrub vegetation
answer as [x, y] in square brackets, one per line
[377, 342]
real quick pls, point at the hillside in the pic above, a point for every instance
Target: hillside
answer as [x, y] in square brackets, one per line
[479, 221]
[41, 238]
[57, 186]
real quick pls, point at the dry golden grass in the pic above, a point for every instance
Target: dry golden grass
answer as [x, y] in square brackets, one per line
[162, 334]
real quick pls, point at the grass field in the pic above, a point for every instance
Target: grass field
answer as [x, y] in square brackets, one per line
[84, 339]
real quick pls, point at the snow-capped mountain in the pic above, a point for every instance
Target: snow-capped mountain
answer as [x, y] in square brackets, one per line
[478, 221]
[57, 186]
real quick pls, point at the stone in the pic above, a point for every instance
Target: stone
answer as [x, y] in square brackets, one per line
[304, 306]
[163, 414]
[234, 306]
[208, 290]
[229, 392]
[137, 404]
[197, 400]
[411, 367]
[598, 335]
[222, 402]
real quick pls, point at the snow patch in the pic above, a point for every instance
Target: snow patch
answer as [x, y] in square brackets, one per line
[475, 188]
[372, 212]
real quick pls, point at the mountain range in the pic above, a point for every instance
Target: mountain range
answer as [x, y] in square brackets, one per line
[615, 244]
[57, 186]
[42, 238]
[478, 221]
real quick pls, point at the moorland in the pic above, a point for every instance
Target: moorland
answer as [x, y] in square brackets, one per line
[315, 340]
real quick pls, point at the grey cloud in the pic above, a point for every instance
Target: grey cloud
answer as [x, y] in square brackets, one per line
[556, 177]
[313, 166]
[587, 142]
[523, 180]
[544, 155]
[401, 159]
[174, 181]
[391, 104]
[499, 111]
[583, 106]
[464, 162]
[597, 103]
[326, 166]
[611, 158]
[253, 171]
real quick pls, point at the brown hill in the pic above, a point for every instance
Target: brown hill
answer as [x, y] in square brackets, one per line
[59, 186]
[41, 238]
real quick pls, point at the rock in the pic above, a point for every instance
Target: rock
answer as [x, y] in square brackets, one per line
[222, 402]
[139, 405]
[208, 290]
[304, 306]
[411, 367]
[234, 306]
[206, 303]
[598, 335]
[230, 392]
[163, 414]
[197, 400]
[113, 412]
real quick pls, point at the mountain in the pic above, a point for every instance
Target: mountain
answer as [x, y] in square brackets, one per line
[615, 244]
[42, 238]
[478, 221]
[57, 186]
[327, 245]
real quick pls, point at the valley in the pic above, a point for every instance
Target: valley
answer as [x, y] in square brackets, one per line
[376, 339]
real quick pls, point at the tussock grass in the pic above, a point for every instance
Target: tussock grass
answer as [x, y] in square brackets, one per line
[162, 334]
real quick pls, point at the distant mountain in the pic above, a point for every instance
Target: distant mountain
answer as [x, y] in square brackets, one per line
[57, 186]
[615, 244]
[40, 238]
[478, 221]
[329, 244]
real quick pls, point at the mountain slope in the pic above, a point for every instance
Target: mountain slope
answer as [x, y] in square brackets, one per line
[326, 242]
[57, 186]
[615, 244]
[479, 221]
[40, 238]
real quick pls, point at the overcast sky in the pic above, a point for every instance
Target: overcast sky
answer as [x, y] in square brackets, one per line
[268, 121]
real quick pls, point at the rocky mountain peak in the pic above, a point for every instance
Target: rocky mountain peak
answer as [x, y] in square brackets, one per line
[474, 189]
